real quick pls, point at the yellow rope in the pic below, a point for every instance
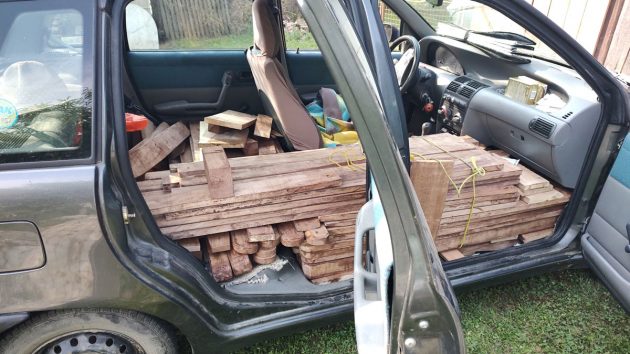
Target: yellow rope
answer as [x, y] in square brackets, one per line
[475, 171]
[350, 161]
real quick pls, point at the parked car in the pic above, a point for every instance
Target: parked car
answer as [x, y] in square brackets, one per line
[85, 268]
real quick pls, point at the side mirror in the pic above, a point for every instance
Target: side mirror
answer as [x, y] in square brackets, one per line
[392, 32]
[435, 2]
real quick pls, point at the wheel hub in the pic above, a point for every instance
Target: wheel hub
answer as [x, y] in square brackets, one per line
[90, 343]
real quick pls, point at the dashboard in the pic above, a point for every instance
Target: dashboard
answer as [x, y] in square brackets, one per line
[551, 136]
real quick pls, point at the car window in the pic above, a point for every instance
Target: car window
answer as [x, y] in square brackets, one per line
[391, 21]
[296, 32]
[189, 25]
[45, 81]
[473, 16]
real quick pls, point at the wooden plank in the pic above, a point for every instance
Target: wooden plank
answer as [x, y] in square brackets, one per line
[245, 212]
[241, 244]
[321, 269]
[289, 236]
[186, 155]
[536, 235]
[227, 139]
[531, 180]
[443, 244]
[542, 197]
[264, 219]
[251, 148]
[317, 236]
[252, 189]
[267, 147]
[220, 266]
[231, 119]
[339, 217]
[430, 180]
[451, 255]
[191, 244]
[263, 126]
[261, 233]
[307, 224]
[218, 242]
[218, 173]
[240, 263]
[194, 142]
[156, 148]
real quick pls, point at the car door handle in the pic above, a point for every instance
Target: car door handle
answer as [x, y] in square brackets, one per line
[183, 107]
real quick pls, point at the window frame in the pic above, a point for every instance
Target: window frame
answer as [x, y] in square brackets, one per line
[84, 154]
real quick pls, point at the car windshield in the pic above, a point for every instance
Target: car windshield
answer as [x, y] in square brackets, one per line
[477, 17]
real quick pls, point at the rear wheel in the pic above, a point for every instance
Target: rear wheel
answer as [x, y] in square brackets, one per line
[90, 331]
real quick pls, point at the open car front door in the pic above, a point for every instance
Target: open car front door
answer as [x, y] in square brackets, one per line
[606, 242]
[403, 301]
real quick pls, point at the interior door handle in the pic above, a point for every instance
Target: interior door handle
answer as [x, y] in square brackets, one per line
[192, 108]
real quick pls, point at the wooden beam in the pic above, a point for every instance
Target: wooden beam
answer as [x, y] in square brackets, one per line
[231, 119]
[156, 148]
[218, 173]
[263, 126]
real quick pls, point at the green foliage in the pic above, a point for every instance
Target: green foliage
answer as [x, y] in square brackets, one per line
[566, 312]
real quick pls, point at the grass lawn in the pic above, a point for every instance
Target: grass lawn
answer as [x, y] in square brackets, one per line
[294, 40]
[566, 312]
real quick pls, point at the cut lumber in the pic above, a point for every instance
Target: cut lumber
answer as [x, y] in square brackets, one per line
[194, 142]
[307, 224]
[227, 139]
[218, 173]
[241, 244]
[264, 260]
[430, 180]
[231, 119]
[156, 148]
[289, 236]
[542, 197]
[186, 155]
[263, 126]
[220, 266]
[218, 242]
[451, 255]
[317, 236]
[240, 263]
[267, 148]
[261, 233]
[530, 180]
[251, 148]
[536, 235]
[322, 269]
[191, 244]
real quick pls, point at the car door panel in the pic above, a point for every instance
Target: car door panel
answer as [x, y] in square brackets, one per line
[168, 82]
[308, 72]
[606, 239]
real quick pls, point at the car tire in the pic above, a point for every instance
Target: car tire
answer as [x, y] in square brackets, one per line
[94, 330]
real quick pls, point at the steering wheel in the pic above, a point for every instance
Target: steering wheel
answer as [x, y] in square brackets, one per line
[407, 66]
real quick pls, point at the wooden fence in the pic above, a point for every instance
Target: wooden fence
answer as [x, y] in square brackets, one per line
[194, 19]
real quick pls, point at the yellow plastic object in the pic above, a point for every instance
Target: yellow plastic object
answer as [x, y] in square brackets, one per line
[346, 137]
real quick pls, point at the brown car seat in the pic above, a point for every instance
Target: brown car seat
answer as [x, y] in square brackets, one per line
[278, 95]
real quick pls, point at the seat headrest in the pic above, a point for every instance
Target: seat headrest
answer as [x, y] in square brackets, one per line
[265, 28]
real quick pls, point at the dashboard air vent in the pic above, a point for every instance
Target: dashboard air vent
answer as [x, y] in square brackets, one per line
[462, 79]
[542, 127]
[467, 92]
[475, 84]
[453, 86]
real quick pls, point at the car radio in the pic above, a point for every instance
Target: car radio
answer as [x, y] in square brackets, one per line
[454, 103]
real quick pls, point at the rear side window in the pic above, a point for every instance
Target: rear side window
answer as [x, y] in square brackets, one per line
[45, 80]
[189, 25]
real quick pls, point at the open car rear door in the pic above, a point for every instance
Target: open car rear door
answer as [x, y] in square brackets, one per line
[404, 302]
[606, 242]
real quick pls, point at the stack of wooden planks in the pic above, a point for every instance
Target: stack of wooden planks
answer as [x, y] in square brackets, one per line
[234, 210]
[512, 204]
